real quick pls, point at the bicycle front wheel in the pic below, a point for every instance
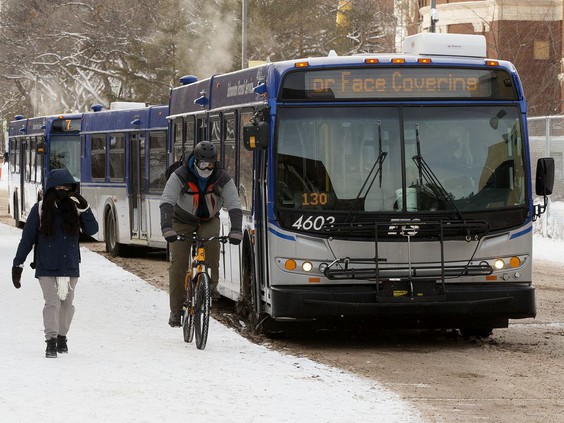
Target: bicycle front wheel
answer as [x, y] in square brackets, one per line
[188, 320]
[202, 310]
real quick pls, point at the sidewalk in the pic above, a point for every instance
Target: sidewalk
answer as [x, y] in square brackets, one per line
[125, 364]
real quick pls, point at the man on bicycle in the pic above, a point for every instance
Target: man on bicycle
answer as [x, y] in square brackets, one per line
[191, 201]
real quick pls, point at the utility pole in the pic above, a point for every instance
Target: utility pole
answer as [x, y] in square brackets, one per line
[434, 15]
[244, 14]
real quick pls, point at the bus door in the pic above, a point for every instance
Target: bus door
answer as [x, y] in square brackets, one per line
[261, 213]
[137, 187]
[23, 158]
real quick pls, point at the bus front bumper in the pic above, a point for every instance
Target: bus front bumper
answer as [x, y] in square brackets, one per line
[460, 303]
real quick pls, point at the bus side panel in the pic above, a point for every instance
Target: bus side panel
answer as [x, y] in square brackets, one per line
[103, 198]
[155, 237]
[229, 262]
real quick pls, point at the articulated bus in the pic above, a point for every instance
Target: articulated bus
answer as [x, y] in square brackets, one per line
[37, 145]
[123, 155]
[393, 188]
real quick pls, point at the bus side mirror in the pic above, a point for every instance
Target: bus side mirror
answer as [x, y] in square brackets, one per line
[255, 135]
[545, 176]
[40, 148]
[544, 183]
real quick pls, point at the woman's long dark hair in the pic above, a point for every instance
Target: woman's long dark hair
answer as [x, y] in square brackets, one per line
[49, 210]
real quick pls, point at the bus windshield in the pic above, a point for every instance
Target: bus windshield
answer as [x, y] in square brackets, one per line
[375, 159]
[64, 152]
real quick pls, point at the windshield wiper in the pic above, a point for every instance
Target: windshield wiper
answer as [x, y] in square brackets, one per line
[426, 173]
[371, 177]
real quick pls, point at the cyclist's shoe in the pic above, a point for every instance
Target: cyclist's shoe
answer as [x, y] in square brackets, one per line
[174, 320]
[215, 293]
[62, 347]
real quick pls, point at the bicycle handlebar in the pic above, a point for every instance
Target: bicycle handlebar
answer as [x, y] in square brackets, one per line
[195, 237]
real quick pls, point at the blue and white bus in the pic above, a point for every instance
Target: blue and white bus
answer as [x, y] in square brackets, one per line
[393, 187]
[123, 174]
[35, 146]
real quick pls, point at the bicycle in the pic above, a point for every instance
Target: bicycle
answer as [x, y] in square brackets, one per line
[196, 308]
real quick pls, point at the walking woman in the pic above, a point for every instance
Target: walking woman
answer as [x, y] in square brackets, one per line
[52, 230]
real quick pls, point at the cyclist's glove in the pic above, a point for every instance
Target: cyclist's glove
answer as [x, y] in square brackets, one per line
[235, 237]
[169, 235]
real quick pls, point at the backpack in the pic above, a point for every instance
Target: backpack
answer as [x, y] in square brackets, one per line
[170, 170]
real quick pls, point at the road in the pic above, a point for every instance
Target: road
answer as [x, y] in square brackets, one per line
[515, 376]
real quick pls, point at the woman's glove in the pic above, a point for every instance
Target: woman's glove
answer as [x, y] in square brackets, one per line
[81, 203]
[16, 276]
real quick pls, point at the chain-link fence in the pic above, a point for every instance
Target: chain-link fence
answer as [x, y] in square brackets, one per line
[546, 138]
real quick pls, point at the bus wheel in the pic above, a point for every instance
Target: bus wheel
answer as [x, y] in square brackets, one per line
[477, 332]
[247, 304]
[110, 234]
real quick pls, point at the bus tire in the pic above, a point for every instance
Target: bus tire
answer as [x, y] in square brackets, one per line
[476, 332]
[247, 303]
[110, 234]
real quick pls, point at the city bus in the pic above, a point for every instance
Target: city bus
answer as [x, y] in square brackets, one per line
[35, 146]
[123, 155]
[392, 188]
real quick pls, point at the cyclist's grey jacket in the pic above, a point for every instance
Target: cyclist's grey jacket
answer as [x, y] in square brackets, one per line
[190, 199]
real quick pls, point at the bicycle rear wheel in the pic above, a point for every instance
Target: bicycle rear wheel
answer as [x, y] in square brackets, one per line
[188, 318]
[202, 310]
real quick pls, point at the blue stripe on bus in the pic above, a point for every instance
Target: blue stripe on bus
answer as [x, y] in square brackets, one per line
[278, 234]
[523, 232]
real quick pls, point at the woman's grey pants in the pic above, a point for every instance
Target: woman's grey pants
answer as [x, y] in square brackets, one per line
[57, 314]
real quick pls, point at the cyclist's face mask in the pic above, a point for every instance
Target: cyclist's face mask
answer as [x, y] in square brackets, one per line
[204, 169]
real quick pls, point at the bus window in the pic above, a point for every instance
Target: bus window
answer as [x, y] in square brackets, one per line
[202, 132]
[33, 159]
[230, 151]
[215, 135]
[177, 144]
[245, 168]
[325, 156]
[40, 160]
[189, 125]
[215, 129]
[117, 157]
[98, 167]
[27, 162]
[157, 162]
[64, 153]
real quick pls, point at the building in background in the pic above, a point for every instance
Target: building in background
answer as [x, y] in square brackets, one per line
[525, 32]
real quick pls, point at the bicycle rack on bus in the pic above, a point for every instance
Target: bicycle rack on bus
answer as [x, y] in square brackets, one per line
[398, 283]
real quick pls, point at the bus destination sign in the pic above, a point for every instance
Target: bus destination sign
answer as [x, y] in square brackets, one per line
[65, 125]
[396, 83]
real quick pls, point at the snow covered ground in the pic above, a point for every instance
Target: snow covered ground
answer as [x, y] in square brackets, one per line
[125, 364]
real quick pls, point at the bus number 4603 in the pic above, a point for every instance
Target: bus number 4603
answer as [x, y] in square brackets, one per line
[316, 223]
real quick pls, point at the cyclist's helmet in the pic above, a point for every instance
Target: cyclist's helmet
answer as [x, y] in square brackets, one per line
[205, 151]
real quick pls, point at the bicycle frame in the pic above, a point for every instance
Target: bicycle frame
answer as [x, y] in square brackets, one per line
[198, 291]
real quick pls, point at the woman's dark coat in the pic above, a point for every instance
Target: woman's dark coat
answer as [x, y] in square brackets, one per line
[57, 255]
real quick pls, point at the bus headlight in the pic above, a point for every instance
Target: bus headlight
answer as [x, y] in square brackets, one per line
[307, 266]
[499, 264]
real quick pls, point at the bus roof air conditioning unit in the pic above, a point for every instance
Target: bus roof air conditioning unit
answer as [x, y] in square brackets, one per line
[434, 44]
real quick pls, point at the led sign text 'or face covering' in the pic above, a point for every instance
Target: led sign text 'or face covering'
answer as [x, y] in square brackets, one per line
[394, 83]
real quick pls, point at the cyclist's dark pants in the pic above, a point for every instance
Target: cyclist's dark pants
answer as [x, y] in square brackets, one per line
[180, 258]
